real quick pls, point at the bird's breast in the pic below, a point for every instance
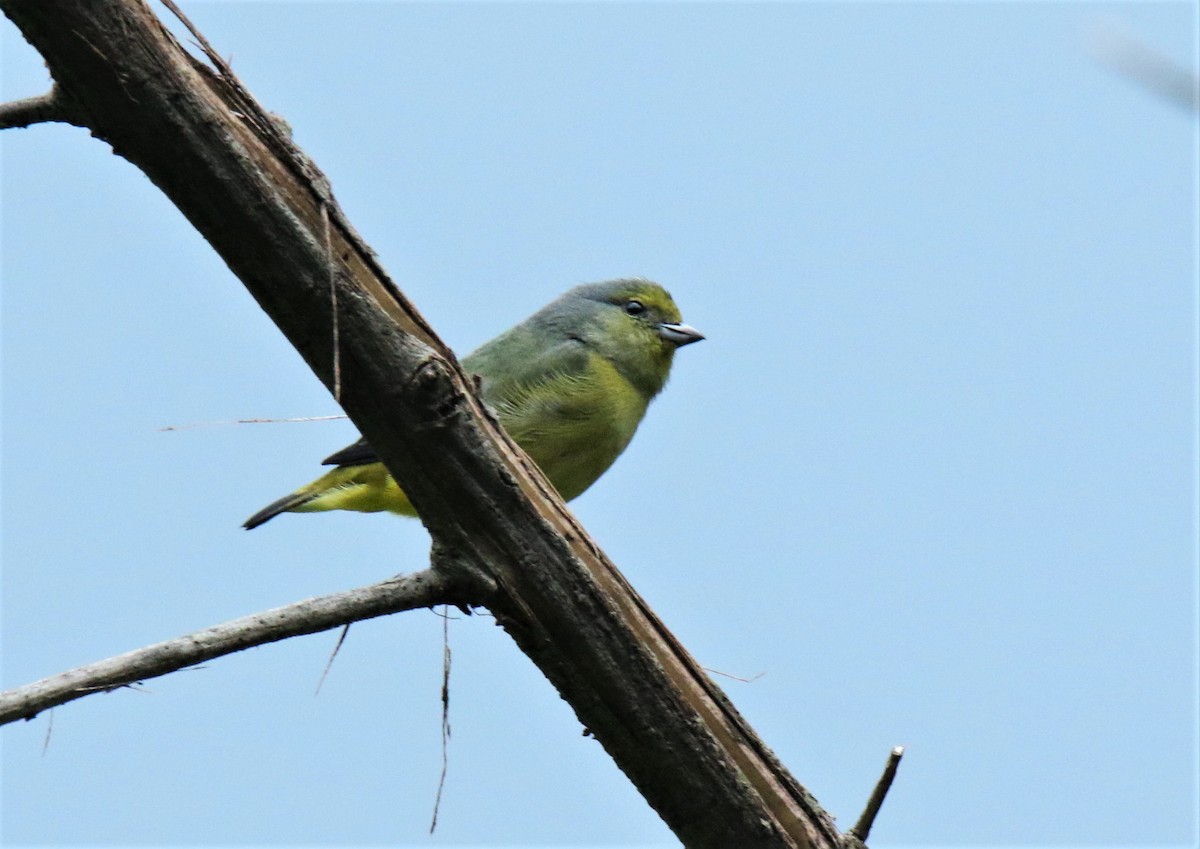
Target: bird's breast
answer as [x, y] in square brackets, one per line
[575, 426]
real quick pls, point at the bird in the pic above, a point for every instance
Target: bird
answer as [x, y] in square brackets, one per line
[570, 384]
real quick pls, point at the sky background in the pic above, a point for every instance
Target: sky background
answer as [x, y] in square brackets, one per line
[933, 472]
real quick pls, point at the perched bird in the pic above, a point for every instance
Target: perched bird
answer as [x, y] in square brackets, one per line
[569, 384]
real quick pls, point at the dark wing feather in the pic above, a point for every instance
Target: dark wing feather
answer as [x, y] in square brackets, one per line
[358, 454]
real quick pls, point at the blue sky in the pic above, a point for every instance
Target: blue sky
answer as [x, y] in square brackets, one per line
[933, 471]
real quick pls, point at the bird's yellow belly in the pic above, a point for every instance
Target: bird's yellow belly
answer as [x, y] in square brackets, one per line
[574, 437]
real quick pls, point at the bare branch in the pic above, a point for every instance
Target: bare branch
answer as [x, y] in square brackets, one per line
[858, 835]
[404, 592]
[45, 108]
[234, 172]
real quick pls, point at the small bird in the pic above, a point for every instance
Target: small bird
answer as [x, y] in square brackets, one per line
[569, 384]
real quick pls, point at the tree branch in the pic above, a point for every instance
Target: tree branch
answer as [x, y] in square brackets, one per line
[42, 109]
[857, 836]
[234, 173]
[404, 592]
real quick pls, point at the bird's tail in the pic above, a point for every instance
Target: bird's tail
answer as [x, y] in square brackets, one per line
[366, 488]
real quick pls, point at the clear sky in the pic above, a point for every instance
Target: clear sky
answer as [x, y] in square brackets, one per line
[933, 472]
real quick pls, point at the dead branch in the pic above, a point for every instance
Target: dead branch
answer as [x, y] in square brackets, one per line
[233, 171]
[857, 836]
[45, 108]
[404, 592]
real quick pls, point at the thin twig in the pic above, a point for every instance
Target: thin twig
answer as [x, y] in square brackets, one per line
[404, 592]
[329, 663]
[213, 56]
[437, 802]
[862, 828]
[43, 109]
[49, 729]
[333, 304]
[273, 126]
[749, 680]
[252, 421]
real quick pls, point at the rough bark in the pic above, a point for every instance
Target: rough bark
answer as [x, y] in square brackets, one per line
[498, 528]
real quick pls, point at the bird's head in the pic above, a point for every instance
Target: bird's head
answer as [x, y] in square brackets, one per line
[632, 323]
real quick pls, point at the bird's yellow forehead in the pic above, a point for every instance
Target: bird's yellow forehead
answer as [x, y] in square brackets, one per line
[653, 296]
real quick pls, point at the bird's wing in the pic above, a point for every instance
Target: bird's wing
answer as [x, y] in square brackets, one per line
[506, 371]
[358, 454]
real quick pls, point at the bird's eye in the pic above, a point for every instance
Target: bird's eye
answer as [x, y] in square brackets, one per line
[635, 307]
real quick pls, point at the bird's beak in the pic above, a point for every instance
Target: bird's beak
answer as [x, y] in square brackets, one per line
[679, 334]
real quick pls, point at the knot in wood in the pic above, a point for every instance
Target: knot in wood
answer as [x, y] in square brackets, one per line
[433, 391]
